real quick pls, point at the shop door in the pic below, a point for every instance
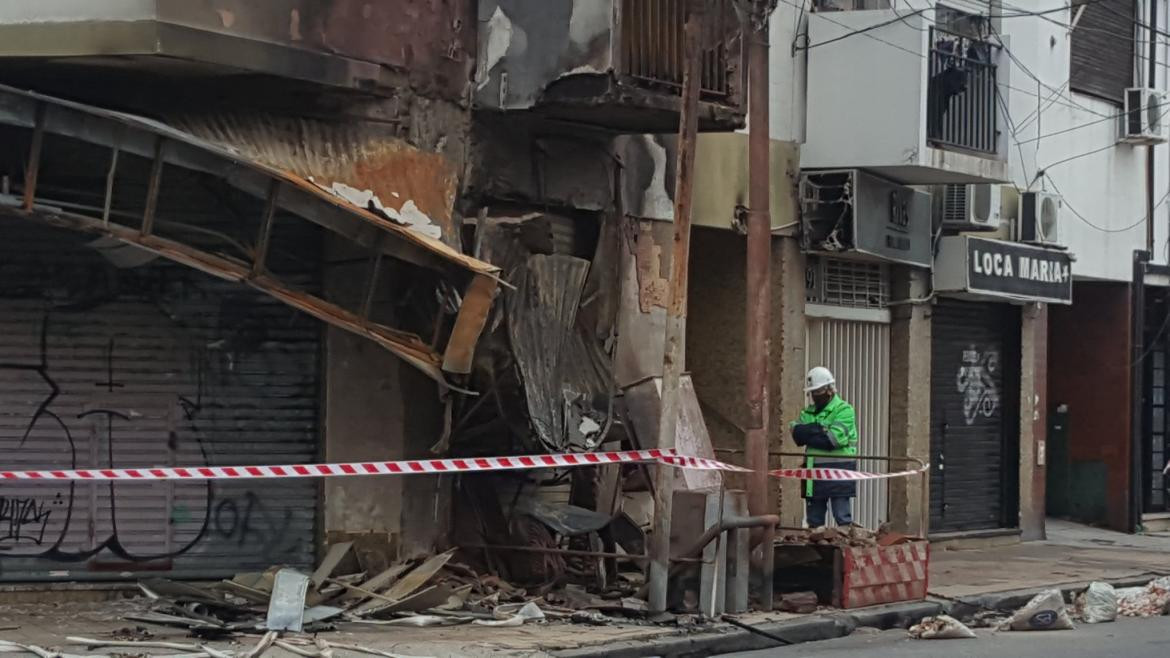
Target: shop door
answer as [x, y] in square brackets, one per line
[1155, 434]
[858, 354]
[974, 416]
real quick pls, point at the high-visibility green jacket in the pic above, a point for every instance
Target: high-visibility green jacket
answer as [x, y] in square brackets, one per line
[840, 423]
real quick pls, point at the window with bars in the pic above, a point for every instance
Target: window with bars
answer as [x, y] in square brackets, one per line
[855, 284]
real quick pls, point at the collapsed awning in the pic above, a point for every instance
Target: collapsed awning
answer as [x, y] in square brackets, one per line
[107, 178]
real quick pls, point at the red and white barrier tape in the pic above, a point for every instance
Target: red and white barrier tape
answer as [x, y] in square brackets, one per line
[839, 474]
[422, 466]
[408, 467]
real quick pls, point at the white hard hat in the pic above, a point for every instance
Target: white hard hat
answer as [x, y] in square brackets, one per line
[818, 377]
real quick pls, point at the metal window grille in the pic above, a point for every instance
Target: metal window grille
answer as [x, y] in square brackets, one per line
[856, 284]
[652, 44]
[963, 98]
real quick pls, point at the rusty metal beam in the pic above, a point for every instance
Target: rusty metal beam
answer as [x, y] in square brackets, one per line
[375, 271]
[111, 175]
[264, 236]
[676, 315]
[153, 187]
[34, 158]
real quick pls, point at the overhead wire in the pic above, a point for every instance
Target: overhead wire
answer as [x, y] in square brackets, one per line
[1102, 229]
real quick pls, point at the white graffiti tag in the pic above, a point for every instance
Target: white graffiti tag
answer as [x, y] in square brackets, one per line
[976, 381]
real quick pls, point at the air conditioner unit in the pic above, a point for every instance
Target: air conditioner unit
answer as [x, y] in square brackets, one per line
[850, 213]
[1040, 219]
[967, 207]
[1143, 121]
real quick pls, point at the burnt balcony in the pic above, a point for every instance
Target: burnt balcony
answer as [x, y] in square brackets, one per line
[616, 64]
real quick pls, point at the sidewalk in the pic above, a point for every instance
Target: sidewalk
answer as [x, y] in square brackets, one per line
[1072, 556]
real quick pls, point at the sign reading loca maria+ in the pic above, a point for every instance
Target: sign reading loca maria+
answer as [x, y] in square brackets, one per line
[995, 268]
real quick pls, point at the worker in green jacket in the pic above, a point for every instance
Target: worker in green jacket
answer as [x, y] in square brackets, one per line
[827, 430]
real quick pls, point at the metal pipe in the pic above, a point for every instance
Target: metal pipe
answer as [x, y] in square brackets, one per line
[766, 521]
[759, 276]
[569, 552]
[729, 523]
[672, 357]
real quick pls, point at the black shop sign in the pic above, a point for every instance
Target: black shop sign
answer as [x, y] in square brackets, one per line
[1018, 271]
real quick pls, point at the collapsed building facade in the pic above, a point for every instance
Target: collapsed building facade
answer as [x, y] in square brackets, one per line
[334, 231]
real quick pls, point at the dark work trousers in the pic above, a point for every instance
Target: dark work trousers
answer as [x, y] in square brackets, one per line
[817, 510]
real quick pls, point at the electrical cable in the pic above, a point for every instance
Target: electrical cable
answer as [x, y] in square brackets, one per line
[1102, 229]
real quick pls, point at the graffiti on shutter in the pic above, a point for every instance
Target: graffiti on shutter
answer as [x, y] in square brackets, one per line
[976, 381]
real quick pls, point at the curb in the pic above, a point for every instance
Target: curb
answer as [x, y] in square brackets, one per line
[813, 629]
[1015, 599]
[825, 626]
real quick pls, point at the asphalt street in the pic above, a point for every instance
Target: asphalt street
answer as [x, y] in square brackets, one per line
[1127, 638]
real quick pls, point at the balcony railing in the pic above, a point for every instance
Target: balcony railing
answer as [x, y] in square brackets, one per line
[962, 105]
[652, 44]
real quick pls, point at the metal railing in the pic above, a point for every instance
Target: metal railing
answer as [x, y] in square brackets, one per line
[963, 101]
[652, 45]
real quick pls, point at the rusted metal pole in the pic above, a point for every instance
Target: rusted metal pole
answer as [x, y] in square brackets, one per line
[676, 312]
[759, 276]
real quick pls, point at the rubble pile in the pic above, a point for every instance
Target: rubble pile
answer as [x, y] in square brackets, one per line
[284, 609]
[1149, 601]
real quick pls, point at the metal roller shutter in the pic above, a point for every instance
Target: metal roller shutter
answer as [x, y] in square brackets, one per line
[975, 382]
[142, 366]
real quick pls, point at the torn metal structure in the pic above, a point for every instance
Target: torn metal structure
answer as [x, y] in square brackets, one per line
[612, 63]
[142, 182]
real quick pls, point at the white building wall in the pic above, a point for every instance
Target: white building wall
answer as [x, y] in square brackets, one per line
[1108, 188]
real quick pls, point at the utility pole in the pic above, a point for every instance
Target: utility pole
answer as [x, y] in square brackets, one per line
[676, 312]
[759, 277]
